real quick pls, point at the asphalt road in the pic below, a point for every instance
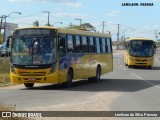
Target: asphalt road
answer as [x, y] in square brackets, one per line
[122, 90]
[139, 87]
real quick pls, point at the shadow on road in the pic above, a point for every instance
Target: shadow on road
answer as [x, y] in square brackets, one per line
[119, 85]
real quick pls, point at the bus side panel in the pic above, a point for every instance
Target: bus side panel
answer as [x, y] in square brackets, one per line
[126, 57]
[107, 63]
[82, 66]
[65, 63]
[93, 61]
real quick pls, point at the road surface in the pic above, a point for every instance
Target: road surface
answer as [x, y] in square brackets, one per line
[122, 90]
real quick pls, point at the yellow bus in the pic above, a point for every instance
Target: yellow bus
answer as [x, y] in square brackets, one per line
[58, 56]
[139, 52]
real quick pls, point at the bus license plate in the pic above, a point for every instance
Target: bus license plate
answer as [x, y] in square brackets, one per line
[32, 79]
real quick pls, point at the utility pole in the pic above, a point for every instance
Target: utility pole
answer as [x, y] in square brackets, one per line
[118, 33]
[70, 25]
[103, 24]
[5, 16]
[1, 26]
[48, 12]
[156, 35]
[80, 22]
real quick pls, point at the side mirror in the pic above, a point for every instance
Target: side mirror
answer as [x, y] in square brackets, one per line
[8, 41]
[7, 44]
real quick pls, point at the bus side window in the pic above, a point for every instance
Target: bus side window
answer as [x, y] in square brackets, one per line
[91, 45]
[78, 45]
[84, 44]
[62, 45]
[103, 45]
[109, 45]
[100, 42]
[97, 45]
[70, 44]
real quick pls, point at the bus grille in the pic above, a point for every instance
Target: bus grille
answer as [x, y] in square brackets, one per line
[141, 63]
[32, 73]
[142, 60]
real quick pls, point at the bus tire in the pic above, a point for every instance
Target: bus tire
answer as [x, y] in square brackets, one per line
[129, 66]
[28, 85]
[68, 83]
[98, 74]
[149, 67]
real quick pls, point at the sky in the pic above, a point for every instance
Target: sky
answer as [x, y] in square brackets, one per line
[134, 21]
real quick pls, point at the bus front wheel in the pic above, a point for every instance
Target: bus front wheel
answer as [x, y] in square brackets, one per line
[28, 85]
[129, 66]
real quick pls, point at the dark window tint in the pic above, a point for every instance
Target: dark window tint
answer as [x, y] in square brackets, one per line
[78, 45]
[91, 45]
[62, 44]
[104, 45]
[70, 44]
[84, 44]
[97, 45]
[109, 45]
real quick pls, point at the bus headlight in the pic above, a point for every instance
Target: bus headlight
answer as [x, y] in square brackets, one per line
[132, 59]
[13, 70]
[53, 68]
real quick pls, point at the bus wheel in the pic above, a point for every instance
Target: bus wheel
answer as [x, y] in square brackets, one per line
[98, 74]
[129, 66]
[68, 83]
[28, 85]
[149, 67]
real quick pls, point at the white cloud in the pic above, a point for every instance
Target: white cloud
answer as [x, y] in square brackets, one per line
[20, 0]
[74, 5]
[156, 0]
[71, 15]
[112, 13]
[70, 3]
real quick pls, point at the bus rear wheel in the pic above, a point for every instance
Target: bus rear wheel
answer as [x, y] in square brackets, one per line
[68, 83]
[98, 74]
[28, 85]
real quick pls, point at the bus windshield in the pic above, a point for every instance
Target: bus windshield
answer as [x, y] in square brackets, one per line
[139, 48]
[33, 50]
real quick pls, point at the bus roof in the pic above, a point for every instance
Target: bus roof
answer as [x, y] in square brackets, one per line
[71, 31]
[138, 38]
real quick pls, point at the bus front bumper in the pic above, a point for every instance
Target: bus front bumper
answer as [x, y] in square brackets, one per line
[52, 78]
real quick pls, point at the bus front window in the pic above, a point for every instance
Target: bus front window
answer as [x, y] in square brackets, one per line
[141, 48]
[33, 50]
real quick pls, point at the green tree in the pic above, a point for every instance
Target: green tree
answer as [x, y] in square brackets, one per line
[86, 26]
[36, 23]
[47, 24]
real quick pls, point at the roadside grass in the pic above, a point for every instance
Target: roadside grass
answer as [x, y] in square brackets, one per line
[5, 108]
[4, 71]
